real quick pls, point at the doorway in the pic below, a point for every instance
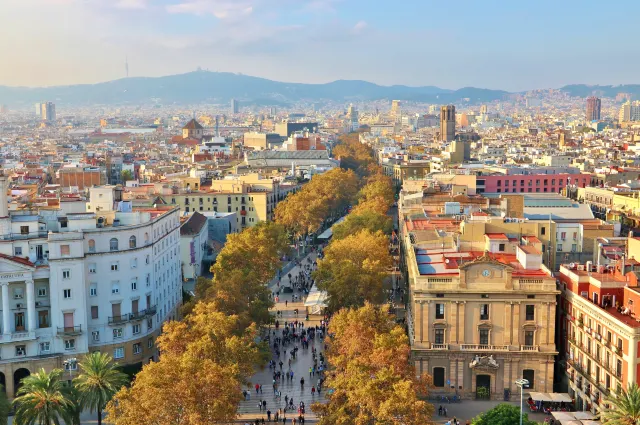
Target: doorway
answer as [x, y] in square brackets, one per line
[483, 386]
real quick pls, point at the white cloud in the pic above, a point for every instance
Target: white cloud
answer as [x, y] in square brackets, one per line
[131, 4]
[359, 27]
[221, 9]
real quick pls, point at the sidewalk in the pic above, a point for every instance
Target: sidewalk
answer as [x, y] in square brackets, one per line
[248, 410]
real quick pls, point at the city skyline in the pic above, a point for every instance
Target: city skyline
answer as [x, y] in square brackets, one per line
[89, 41]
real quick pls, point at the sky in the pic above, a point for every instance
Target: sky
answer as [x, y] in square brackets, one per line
[506, 44]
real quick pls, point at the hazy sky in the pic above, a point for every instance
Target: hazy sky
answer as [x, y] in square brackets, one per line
[506, 44]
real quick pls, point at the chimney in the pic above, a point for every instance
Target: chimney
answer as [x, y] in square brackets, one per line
[4, 203]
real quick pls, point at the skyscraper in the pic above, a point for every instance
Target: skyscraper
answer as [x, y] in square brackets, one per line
[48, 111]
[593, 108]
[447, 123]
[396, 113]
[352, 113]
[235, 106]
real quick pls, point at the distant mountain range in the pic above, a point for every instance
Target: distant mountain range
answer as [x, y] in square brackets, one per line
[218, 87]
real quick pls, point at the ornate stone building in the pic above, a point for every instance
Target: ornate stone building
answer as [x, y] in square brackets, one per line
[479, 318]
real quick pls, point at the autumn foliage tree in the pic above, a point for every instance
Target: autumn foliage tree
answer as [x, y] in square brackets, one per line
[353, 269]
[354, 155]
[372, 378]
[325, 195]
[244, 266]
[204, 364]
[371, 220]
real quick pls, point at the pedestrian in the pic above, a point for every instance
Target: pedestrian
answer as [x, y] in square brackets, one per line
[310, 371]
[257, 388]
[260, 405]
[264, 405]
[260, 388]
[313, 391]
[269, 415]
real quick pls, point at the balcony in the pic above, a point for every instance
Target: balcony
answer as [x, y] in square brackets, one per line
[439, 346]
[151, 310]
[114, 320]
[482, 347]
[138, 315]
[529, 348]
[70, 330]
[21, 236]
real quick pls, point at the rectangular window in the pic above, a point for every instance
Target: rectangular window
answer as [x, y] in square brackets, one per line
[501, 247]
[484, 312]
[114, 267]
[137, 348]
[530, 312]
[439, 311]
[43, 319]
[484, 336]
[18, 294]
[439, 336]
[17, 251]
[24, 230]
[528, 338]
[136, 329]
[543, 230]
[21, 350]
[134, 263]
[150, 343]
[45, 347]
[93, 290]
[95, 336]
[42, 291]
[94, 311]
[66, 274]
[117, 333]
[134, 284]
[69, 344]
[65, 250]
[149, 323]
[118, 352]
[92, 268]
[66, 293]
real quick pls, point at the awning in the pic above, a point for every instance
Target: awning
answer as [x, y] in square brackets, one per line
[328, 233]
[560, 397]
[540, 396]
[316, 300]
[584, 415]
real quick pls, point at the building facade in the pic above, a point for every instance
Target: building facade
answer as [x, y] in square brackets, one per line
[448, 123]
[594, 105]
[78, 283]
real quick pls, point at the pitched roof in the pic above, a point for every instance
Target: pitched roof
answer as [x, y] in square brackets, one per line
[193, 125]
[194, 225]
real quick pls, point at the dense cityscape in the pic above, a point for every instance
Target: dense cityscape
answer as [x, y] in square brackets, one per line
[322, 212]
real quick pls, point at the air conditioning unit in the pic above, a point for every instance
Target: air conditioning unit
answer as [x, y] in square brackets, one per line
[19, 305]
[38, 303]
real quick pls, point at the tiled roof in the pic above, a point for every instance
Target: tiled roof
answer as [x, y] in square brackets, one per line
[193, 125]
[194, 225]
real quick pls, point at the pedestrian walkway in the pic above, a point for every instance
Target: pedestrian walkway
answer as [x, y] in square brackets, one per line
[248, 410]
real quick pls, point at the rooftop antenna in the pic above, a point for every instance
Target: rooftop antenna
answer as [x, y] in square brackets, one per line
[126, 66]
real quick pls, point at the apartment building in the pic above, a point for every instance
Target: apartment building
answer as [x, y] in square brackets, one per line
[529, 183]
[252, 197]
[599, 327]
[74, 283]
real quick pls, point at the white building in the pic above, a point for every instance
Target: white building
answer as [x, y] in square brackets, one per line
[74, 283]
[194, 235]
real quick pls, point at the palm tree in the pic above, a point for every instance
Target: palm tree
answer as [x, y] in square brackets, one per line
[99, 380]
[43, 399]
[5, 407]
[624, 409]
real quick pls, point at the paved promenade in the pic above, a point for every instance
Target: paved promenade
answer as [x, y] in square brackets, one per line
[248, 410]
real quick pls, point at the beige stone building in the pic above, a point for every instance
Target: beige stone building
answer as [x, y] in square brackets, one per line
[482, 317]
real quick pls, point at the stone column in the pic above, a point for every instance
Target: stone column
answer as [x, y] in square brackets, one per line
[515, 324]
[6, 313]
[452, 322]
[453, 373]
[508, 323]
[422, 323]
[31, 306]
[462, 306]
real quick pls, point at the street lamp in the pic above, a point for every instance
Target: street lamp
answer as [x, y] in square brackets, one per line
[70, 364]
[522, 383]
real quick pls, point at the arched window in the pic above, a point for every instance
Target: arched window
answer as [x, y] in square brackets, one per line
[92, 245]
[132, 242]
[113, 244]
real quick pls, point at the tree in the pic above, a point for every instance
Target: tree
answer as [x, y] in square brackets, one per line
[371, 372]
[377, 204]
[246, 263]
[43, 399]
[354, 155]
[378, 185]
[353, 269]
[198, 380]
[502, 414]
[5, 406]
[624, 407]
[325, 195]
[370, 220]
[126, 175]
[99, 380]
